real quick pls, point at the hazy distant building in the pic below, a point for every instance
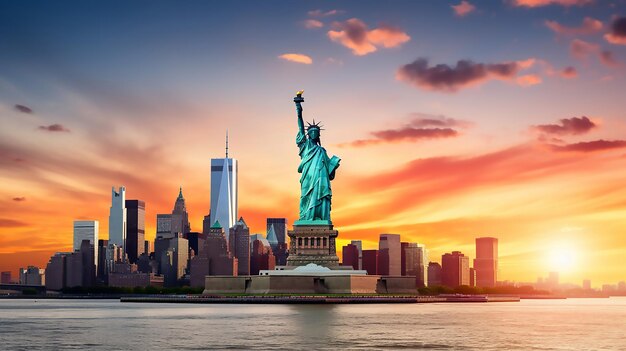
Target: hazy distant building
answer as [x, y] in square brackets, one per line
[86, 230]
[32, 276]
[389, 255]
[239, 244]
[117, 218]
[586, 284]
[164, 226]
[213, 257]
[455, 269]
[472, 277]
[80, 267]
[370, 261]
[416, 263]
[359, 246]
[174, 260]
[56, 272]
[261, 257]
[5, 277]
[486, 262]
[224, 190]
[180, 217]
[135, 229]
[434, 274]
[350, 256]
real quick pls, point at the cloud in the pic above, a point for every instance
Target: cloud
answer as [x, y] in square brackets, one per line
[607, 58]
[298, 58]
[528, 80]
[568, 126]
[422, 126]
[540, 3]
[569, 72]
[23, 109]
[582, 49]
[591, 146]
[19, 199]
[313, 24]
[466, 73]
[10, 223]
[54, 128]
[320, 13]
[463, 9]
[617, 35]
[588, 26]
[355, 35]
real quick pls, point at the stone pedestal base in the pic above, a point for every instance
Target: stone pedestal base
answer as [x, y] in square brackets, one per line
[313, 244]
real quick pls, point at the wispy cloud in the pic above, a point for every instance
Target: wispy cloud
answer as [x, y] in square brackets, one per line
[465, 73]
[588, 26]
[356, 36]
[23, 109]
[463, 9]
[313, 24]
[19, 199]
[297, 58]
[567, 126]
[540, 3]
[54, 128]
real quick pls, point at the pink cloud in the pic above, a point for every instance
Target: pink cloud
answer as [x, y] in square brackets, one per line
[540, 3]
[588, 26]
[313, 24]
[463, 9]
[569, 72]
[567, 126]
[617, 35]
[297, 58]
[465, 73]
[355, 35]
[607, 58]
[591, 146]
[582, 49]
[54, 128]
[320, 13]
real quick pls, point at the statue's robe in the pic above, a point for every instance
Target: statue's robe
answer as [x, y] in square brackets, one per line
[317, 171]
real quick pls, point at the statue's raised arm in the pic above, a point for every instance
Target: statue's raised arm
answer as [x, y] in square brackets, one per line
[299, 100]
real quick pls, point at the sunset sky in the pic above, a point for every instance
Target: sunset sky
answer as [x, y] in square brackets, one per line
[453, 119]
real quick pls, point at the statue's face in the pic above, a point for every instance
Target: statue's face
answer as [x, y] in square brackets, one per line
[314, 133]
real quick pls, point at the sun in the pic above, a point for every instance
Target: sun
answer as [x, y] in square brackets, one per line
[562, 259]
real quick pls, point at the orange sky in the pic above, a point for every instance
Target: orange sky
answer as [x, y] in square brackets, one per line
[507, 122]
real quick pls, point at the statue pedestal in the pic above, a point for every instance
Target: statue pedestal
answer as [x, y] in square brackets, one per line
[312, 243]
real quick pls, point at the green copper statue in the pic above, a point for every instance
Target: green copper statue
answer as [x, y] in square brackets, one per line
[317, 171]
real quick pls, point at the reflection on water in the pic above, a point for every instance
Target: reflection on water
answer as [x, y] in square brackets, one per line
[574, 324]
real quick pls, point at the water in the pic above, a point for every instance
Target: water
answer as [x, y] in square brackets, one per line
[573, 324]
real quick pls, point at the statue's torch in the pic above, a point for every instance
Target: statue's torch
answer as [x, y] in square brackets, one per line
[298, 99]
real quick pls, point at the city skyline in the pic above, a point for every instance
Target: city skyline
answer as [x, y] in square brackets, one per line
[526, 148]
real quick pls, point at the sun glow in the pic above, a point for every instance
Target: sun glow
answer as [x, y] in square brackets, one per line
[562, 259]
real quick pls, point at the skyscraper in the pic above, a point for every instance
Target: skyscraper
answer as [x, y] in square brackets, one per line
[239, 244]
[164, 226]
[370, 261]
[455, 269]
[276, 235]
[135, 229]
[389, 255]
[434, 274]
[359, 246]
[350, 256]
[486, 262]
[280, 229]
[117, 218]
[224, 190]
[180, 217]
[86, 230]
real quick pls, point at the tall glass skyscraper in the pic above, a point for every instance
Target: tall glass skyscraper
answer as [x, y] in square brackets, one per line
[117, 218]
[87, 230]
[135, 229]
[224, 191]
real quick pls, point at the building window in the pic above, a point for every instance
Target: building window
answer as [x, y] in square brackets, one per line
[299, 242]
[306, 242]
[319, 242]
[324, 242]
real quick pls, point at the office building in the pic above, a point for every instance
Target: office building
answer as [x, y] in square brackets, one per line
[135, 229]
[359, 246]
[55, 270]
[389, 255]
[5, 277]
[350, 256]
[86, 230]
[261, 257]
[117, 218]
[174, 261]
[486, 262]
[434, 274]
[370, 261]
[32, 276]
[224, 190]
[164, 226]
[280, 228]
[180, 217]
[213, 257]
[455, 269]
[239, 244]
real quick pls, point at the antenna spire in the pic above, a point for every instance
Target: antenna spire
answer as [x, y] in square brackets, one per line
[226, 143]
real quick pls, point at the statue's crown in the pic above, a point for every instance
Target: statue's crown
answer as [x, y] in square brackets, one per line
[314, 125]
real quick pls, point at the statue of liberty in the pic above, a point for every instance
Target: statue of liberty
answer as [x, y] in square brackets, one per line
[317, 171]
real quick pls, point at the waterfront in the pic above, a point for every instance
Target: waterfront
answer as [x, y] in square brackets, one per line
[573, 324]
